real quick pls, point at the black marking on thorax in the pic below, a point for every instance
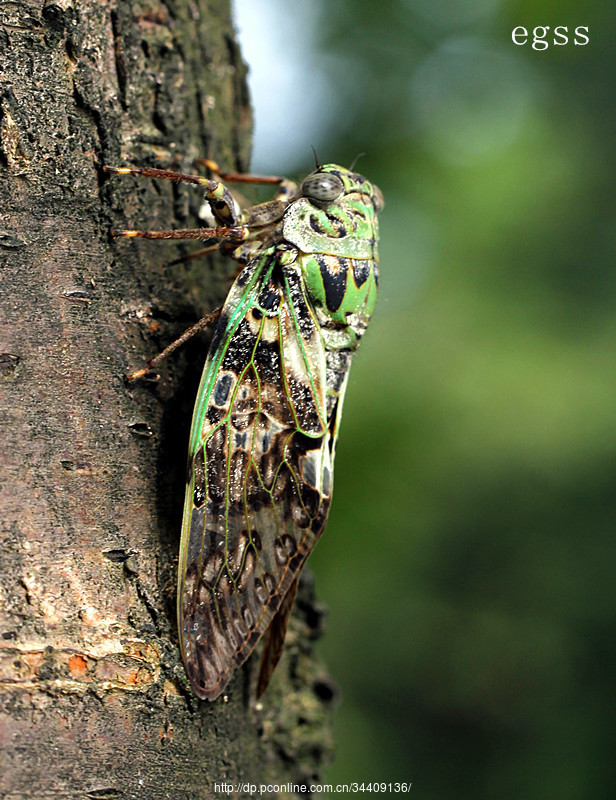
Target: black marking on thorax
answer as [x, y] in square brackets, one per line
[361, 271]
[334, 273]
[339, 226]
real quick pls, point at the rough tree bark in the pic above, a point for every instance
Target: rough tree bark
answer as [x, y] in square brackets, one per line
[93, 697]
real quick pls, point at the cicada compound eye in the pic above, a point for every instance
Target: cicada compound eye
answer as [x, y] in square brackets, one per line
[322, 188]
[378, 201]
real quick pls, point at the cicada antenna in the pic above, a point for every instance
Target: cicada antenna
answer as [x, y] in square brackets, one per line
[355, 160]
[316, 158]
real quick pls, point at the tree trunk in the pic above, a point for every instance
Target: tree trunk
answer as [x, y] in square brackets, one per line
[94, 701]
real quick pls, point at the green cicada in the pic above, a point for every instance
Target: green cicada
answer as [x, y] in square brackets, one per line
[268, 411]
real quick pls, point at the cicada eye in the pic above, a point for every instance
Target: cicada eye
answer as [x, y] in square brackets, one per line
[322, 188]
[378, 201]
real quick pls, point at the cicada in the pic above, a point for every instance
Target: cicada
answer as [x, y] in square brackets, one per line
[267, 415]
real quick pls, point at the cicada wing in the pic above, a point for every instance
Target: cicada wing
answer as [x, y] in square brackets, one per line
[260, 479]
[273, 641]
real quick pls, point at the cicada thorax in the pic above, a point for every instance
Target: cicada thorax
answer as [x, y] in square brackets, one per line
[338, 259]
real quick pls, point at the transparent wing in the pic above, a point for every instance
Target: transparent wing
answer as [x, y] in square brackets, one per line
[259, 483]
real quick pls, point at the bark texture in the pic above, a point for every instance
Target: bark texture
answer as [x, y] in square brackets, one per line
[93, 698]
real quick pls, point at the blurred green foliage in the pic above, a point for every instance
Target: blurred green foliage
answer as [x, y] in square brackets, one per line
[469, 557]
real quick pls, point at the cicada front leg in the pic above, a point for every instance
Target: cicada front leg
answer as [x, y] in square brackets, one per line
[217, 195]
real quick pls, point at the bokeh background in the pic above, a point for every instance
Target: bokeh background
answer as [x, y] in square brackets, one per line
[468, 563]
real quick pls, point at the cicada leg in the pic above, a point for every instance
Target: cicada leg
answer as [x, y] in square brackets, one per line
[237, 234]
[239, 177]
[216, 193]
[286, 188]
[203, 323]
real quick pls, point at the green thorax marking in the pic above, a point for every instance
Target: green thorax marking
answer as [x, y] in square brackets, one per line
[340, 286]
